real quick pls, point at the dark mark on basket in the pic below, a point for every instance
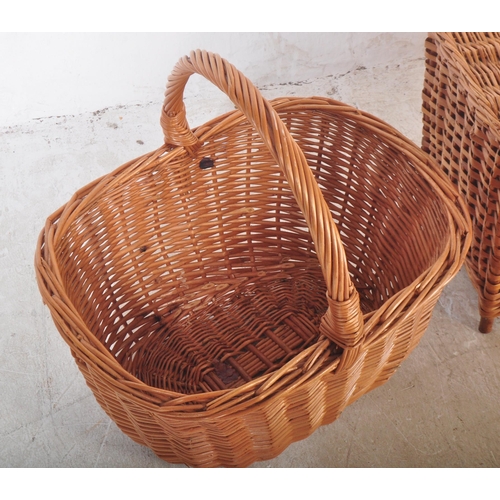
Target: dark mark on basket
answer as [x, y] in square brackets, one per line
[206, 163]
[225, 372]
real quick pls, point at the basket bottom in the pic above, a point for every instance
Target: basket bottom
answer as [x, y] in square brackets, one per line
[221, 341]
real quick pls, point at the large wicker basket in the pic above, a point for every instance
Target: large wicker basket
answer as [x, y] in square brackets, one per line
[461, 131]
[230, 292]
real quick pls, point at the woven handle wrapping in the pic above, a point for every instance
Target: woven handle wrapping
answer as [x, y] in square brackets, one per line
[343, 323]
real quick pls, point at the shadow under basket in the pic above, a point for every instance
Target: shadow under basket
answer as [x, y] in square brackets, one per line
[230, 292]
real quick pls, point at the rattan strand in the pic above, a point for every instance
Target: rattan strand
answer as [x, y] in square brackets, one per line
[230, 292]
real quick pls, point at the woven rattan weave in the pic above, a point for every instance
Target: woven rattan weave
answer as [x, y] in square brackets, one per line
[230, 292]
[461, 130]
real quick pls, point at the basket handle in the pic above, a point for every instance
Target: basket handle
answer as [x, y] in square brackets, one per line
[343, 322]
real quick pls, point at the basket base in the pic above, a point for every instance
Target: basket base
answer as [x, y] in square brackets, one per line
[222, 341]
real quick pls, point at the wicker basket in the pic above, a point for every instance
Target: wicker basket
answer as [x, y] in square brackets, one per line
[461, 130]
[230, 292]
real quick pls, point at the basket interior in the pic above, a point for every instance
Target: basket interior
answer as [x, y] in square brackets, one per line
[203, 278]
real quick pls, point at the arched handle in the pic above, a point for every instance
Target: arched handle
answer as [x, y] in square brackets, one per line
[343, 322]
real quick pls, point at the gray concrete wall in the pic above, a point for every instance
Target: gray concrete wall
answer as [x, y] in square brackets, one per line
[50, 74]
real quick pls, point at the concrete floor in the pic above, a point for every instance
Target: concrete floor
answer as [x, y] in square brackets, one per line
[440, 409]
